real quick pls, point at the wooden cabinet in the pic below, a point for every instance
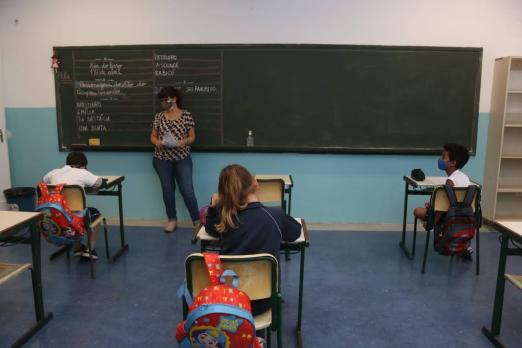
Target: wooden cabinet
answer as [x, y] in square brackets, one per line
[502, 191]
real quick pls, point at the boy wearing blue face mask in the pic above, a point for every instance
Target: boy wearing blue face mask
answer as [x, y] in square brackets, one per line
[454, 157]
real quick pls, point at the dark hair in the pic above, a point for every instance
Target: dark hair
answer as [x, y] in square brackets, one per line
[76, 159]
[169, 91]
[457, 153]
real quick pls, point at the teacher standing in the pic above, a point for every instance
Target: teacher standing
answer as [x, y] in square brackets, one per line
[172, 133]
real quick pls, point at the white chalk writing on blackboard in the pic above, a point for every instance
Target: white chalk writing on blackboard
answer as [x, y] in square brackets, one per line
[105, 68]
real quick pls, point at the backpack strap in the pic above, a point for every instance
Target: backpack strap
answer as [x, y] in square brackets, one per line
[452, 198]
[229, 273]
[470, 194]
[44, 190]
[213, 264]
[58, 188]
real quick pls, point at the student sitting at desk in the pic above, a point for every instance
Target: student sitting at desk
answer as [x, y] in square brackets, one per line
[75, 173]
[454, 158]
[243, 224]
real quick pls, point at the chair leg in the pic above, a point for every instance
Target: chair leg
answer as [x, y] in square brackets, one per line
[477, 245]
[106, 239]
[35, 295]
[279, 323]
[269, 336]
[425, 251]
[414, 237]
[91, 260]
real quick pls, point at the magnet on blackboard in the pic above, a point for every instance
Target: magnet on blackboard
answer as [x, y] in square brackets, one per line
[94, 141]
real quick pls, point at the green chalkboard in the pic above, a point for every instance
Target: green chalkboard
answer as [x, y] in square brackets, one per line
[295, 98]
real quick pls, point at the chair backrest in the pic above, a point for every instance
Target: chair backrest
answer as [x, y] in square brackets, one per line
[257, 273]
[440, 201]
[271, 191]
[74, 195]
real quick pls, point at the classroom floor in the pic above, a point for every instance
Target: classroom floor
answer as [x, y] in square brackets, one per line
[360, 291]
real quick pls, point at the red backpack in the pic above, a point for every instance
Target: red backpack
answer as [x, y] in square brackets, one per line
[220, 315]
[60, 226]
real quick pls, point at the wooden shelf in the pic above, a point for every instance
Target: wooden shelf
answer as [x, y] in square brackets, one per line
[513, 217]
[502, 189]
[510, 189]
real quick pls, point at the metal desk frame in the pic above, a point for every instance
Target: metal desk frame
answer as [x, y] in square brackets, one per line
[108, 190]
[508, 233]
[417, 189]
[41, 317]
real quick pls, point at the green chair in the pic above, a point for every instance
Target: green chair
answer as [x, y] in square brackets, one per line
[258, 278]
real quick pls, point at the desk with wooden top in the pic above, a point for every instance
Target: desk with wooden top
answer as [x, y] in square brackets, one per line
[289, 183]
[511, 230]
[10, 223]
[298, 245]
[113, 187]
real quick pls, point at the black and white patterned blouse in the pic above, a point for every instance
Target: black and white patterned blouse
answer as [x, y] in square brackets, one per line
[178, 128]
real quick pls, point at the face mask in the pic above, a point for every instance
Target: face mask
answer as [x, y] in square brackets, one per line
[170, 103]
[441, 164]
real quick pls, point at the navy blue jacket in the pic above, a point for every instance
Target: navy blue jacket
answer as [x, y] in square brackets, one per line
[257, 231]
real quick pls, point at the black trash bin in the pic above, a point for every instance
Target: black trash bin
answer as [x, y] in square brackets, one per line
[23, 197]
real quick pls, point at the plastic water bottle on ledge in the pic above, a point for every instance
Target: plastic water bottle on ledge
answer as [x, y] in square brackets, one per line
[250, 139]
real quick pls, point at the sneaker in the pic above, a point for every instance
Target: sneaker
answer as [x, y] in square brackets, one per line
[468, 254]
[170, 226]
[79, 249]
[86, 254]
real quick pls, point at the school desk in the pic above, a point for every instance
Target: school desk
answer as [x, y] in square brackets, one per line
[298, 245]
[12, 222]
[418, 188]
[511, 230]
[113, 187]
[289, 183]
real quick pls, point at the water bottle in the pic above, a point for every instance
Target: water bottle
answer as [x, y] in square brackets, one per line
[250, 139]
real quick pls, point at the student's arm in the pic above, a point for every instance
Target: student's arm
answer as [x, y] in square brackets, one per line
[438, 216]
[291, 228]
[450, 183]
[212, 219]
[47, 178]
[91, 181]
[98, 183]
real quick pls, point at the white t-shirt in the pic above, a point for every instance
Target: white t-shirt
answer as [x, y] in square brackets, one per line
[72, 176]
[459, 179]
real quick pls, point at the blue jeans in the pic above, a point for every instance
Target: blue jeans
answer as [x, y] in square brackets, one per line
[169, 173]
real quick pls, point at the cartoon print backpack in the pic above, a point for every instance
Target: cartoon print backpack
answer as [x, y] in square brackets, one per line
[220, 315]
[59, 225]
[457, 228]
